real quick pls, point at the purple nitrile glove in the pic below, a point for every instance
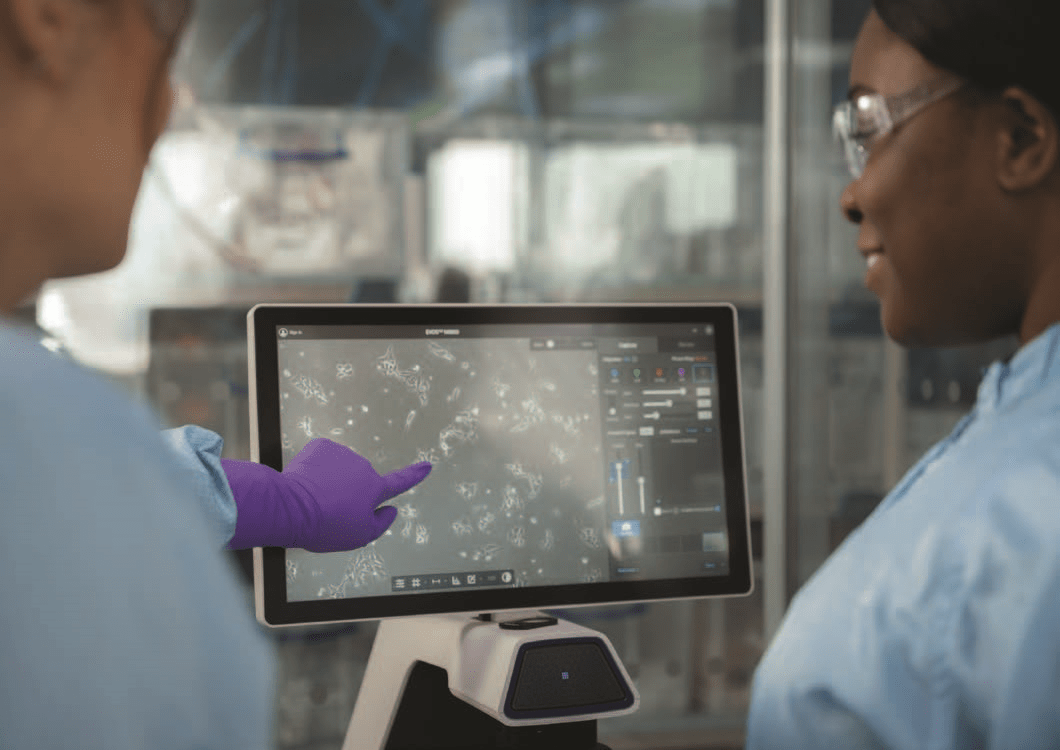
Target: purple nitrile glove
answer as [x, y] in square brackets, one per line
[325, 500]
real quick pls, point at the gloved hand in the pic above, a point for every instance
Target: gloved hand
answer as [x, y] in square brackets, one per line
[325, 500]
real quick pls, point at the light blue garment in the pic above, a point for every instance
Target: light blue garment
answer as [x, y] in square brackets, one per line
[936, 624]
[122, 625]
[198, 451]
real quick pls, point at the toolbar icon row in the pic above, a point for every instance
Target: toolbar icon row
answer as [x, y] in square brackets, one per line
[437, 581]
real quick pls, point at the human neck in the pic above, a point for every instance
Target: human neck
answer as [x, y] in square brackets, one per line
[24, 262]
[1043, 305]
[20, 278]
[22, 267]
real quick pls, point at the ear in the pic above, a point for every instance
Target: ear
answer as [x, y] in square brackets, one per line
[50, 35]
[1027, 141]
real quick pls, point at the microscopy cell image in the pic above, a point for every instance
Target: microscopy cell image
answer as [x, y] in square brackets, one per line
[387, 363]
[366, 567]
[440, 351]
[532, 414]
[590, 537]
[548, 541]
[305, 424]
[486, 553]
[332, 591]
[517, 536]
[511, 500]
[501, 390]
[507, 432]
[463, 429]
[309, 388]
[533, 479]
[571, 425]
[485, 522]
[412, 378]
[423, 535]
[430, 455]
[532, 409]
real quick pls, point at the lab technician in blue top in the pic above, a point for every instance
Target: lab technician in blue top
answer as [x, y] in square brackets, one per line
[122, 627]
[936, 624]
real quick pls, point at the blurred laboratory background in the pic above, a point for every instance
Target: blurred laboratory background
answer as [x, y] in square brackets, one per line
[509, 151]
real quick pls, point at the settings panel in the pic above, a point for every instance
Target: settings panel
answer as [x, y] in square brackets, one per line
[664, 475]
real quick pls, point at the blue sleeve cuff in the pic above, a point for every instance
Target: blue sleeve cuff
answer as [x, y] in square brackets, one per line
[198, 451]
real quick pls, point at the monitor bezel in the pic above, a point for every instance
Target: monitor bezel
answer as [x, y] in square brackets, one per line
[271, 603]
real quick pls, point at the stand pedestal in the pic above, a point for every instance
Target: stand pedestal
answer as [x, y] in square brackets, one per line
[456, 682]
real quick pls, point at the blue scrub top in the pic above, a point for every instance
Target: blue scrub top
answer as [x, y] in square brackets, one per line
[122, 624]
[936, 624]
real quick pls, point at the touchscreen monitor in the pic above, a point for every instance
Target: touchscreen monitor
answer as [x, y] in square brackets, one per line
[582, 454]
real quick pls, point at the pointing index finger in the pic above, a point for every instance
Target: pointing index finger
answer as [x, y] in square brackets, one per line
[398, 482]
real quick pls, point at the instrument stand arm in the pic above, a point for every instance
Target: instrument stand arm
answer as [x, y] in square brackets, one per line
[457, 682]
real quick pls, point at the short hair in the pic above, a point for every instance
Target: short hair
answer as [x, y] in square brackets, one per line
[992, 44]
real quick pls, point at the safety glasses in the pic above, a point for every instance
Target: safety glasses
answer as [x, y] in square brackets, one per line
[861, 121]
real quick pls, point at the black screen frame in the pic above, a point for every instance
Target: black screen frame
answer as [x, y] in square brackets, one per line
[270, 568]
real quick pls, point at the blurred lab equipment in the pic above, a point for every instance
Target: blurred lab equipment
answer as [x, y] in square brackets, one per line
[245, 203]
[454, 286]
[302, 192]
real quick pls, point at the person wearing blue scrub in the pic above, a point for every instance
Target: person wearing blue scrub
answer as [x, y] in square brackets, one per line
[936, 624]
[122, 626]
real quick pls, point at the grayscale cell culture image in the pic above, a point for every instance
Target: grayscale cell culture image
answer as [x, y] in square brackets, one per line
[513, 436]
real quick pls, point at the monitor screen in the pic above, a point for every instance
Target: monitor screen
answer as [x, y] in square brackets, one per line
[581, 454]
